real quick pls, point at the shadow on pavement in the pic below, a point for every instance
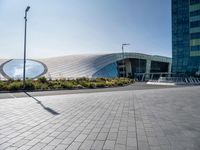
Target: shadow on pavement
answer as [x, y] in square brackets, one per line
[46, 108]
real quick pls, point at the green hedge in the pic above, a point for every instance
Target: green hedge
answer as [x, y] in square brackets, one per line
[44, 84]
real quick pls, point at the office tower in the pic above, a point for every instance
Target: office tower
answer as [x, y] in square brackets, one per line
[186, 36]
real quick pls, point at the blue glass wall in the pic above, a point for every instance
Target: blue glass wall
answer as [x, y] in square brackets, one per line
[109, 71]
[180, 35]
[185, 36]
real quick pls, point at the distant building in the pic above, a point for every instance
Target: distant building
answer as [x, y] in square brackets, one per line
[91, 66]
[186, 36]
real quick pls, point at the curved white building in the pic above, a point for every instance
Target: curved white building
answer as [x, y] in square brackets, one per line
[92, 66]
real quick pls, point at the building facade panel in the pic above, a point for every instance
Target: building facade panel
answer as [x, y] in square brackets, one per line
[185, 36]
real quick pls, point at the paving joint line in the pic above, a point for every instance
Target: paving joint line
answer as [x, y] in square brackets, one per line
[134, 110]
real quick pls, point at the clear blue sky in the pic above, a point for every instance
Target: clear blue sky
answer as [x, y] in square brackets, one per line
[64, 27]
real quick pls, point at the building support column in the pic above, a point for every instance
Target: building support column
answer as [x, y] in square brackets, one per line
[128, 68]
[169, 69]
[148, 68]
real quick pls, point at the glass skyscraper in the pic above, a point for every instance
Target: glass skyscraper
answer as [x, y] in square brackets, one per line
[186, 36]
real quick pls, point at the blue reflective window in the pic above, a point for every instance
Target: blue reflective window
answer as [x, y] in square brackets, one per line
[195, 24]
[195, 13]
[192, 2]
[195, 48]
[195, 35]
[14, 69]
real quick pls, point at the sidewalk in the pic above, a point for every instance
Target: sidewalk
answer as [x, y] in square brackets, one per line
[161, 119]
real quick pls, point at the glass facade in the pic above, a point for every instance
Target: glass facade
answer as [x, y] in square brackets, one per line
[185, 36]
[109, 71]
[157, 67]
[13, 69]
[138, 65]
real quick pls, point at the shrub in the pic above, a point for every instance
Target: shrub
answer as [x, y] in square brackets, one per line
[2, 86]
[10, 80]
[119, 83]
[88, 84]
[83, 79]
[101, 84]
[15, 86]
[57, 86]
[101, 79]
[44, 86]
[79, 86]
[83, 83]
[110, 84]
[37, 85]
[91, 85]
[68, 85]
[42, 80]
[30, 85]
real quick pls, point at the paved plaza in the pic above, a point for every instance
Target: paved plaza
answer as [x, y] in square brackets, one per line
[154, 119]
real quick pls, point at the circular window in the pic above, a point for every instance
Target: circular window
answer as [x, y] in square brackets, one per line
[13, 69]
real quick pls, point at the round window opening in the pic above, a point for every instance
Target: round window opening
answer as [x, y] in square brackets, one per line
[13, 69]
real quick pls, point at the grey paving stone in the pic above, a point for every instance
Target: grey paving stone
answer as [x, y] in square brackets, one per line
[143, 145]
[86, 131]
[63, 135]
[54, 134]
[68, 141]
[98, 145]
[81, 138]
[55, 142]
[5, 145]
[14, 135]
[132, 142]
[24, 147]
[131, 148]
[92, 136]
[11, 148]
[61, 147]
[102, 136]
[120, 147]
[13, 140]
[122, 141]
[122, 134]
[42, 136]
[32, 136]
[106, 130]
[86, 145]
[153, 141]
[20, 143]
[49, 147]
[38, 146]
[114, 129]
[47, 139]
[74, 146]
[74, 134]
[33, 142]
[155, 148]
[112, 136]
[109, 145]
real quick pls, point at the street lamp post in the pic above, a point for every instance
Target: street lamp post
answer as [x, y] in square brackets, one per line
[123, 57]
[24, 70]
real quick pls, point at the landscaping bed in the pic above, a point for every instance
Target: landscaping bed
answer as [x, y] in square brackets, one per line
[79, 83]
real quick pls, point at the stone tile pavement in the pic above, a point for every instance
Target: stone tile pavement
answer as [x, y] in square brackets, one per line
[157, 119]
